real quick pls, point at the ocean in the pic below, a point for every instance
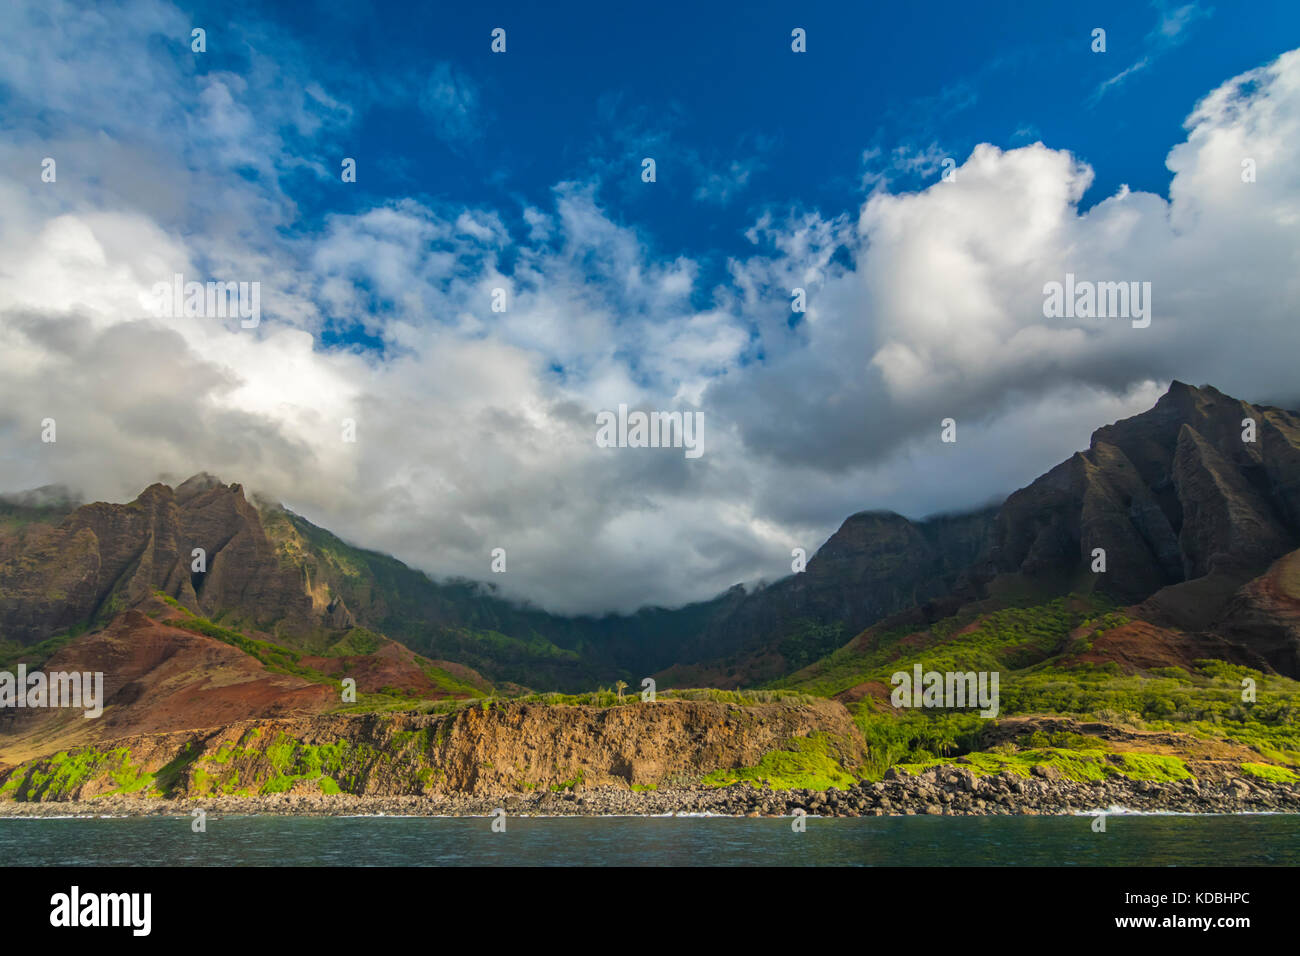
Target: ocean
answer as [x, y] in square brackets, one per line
[1129, 840]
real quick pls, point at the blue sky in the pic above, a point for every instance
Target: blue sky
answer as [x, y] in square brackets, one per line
[521, 172]
[720, 101]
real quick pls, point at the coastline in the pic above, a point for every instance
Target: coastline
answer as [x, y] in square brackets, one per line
[945, 791]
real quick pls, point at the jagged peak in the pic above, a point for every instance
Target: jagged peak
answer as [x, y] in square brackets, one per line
[198, 483]
[1177, 387]
[1180, 397]
[202, 483]
[155, 490]
[1179, 404]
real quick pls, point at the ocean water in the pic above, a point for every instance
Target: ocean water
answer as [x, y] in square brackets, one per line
[1129, 840]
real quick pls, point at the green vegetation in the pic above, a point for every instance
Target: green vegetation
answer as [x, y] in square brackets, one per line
[62, 775]
[277, 659]
[1077, 765]
[355, 643]
[1035, 651]
[281, 765]
[1271, 773]
[1008, 639]
[449, 684]
[12, 654]
[570, 784]
[809, 763]
[809, 641]
[914, 737]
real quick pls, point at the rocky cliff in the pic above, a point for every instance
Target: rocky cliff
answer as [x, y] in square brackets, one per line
[1191, 502]
[104, 558]
[1171, 495]
[504, 748]
[1191, 517]
[878, 563]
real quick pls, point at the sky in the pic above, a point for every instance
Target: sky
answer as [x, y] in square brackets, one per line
[920, 171]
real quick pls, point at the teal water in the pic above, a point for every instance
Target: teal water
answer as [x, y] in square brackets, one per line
[637, 841]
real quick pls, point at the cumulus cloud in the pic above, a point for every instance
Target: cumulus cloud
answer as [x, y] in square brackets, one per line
[475, 427]
[942, 310]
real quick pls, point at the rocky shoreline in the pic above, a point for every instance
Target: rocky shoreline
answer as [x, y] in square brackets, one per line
[943, 791]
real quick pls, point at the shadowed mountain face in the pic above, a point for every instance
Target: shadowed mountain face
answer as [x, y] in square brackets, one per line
[1185, 509]
[1188, 510]
[1171, 495]
[105, 558]
[1195, 523]
[271, 571]
[878, 563]
[271, 574]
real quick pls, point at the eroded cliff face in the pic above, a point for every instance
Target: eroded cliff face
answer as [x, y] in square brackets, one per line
[1186, 511]
[1172, 495]
[506, 748]
[104, 558]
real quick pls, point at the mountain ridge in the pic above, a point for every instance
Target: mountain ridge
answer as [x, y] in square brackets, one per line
[1198, 588]
[1175, 496]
